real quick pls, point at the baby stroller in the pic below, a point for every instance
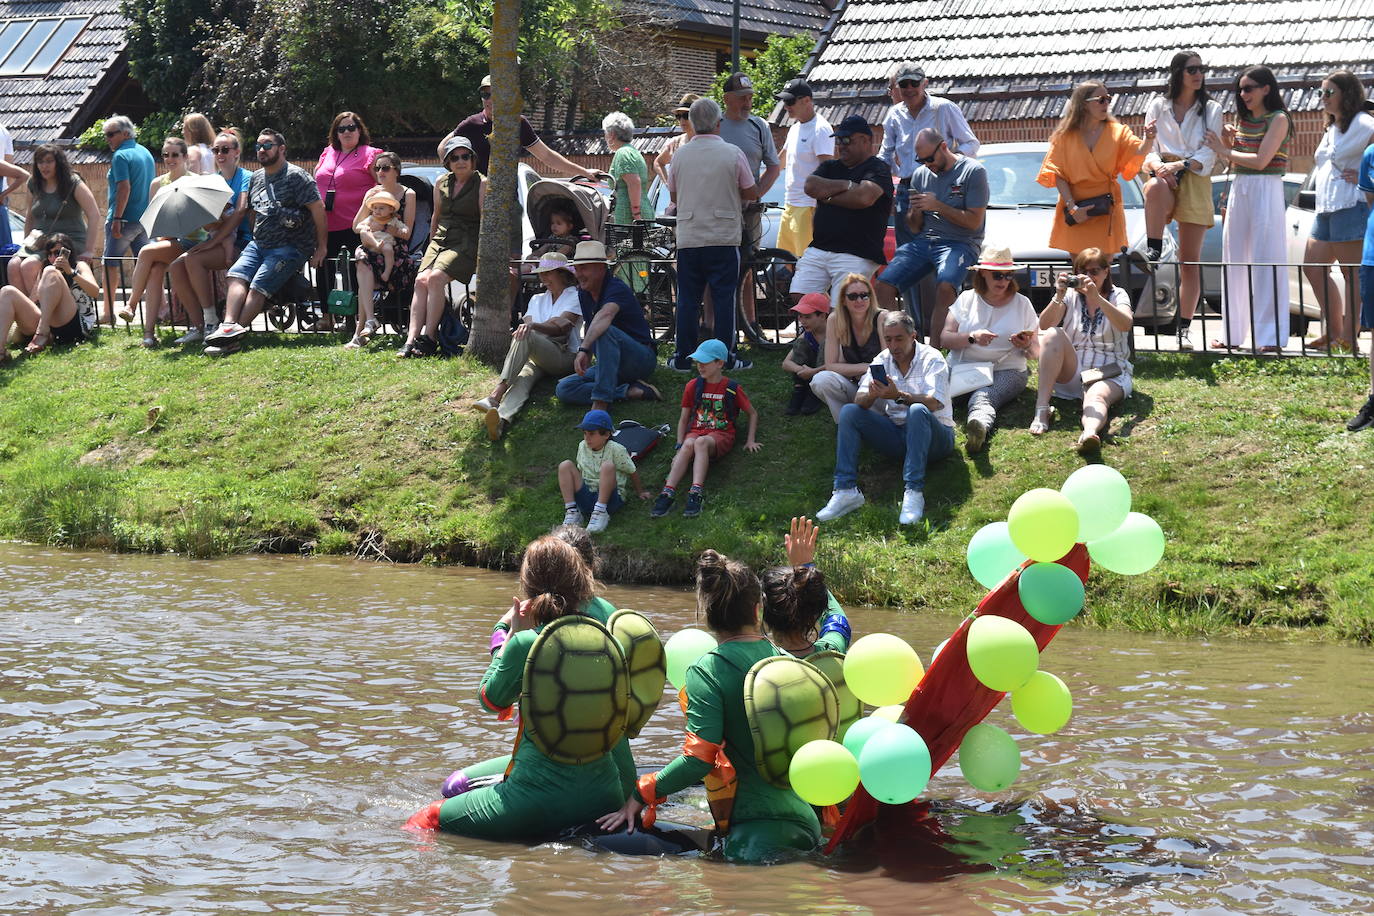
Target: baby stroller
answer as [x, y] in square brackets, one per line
[543, 197]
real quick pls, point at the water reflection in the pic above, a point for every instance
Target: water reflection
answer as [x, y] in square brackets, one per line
[249, 734]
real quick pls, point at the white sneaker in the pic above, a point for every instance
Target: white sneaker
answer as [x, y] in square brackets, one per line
[976, 432]
[227, 331]
[574, 517]
[913, 507]
[600, 519]
[842, 502]
[195, 335]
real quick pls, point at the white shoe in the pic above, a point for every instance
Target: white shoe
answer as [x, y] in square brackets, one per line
[483, 405]
[574, 517]
[195, 335]
[976, 432]
[599, 520]
[227, 331]
[842, 502]
[913, 507]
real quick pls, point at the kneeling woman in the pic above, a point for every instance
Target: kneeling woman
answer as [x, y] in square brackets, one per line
[759, 820]
[541, 795]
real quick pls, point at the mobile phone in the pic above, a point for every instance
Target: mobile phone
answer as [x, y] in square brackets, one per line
[879, 373]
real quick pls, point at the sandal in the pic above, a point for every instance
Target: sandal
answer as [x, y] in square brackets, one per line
[125, 315]
[355, 344]
[1215, 344]
[36, 347]
[1041, 424]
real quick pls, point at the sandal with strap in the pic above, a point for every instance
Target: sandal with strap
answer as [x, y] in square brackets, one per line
[36, 347]
[1041, 424]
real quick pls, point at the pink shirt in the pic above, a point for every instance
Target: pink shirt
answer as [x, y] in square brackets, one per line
[350, 175]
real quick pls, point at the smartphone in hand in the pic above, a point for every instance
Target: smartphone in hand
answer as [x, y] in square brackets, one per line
[879, 373]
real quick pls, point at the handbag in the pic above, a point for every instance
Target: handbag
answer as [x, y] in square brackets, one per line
[1100, 205]
[966, 377]
[1091, 377]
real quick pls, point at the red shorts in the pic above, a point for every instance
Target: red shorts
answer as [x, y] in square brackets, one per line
[724, 438]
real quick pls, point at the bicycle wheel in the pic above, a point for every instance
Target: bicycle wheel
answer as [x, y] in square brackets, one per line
[774, 319]
[654, 282]
[281, 315]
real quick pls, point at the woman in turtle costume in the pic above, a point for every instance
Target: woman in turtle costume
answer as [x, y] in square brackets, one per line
[760, 820]
[801, 615]
[570, 678]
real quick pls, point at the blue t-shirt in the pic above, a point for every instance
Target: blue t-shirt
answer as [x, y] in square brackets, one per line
[134, 164]
[1366, 184]
[629, 319]
[239, 185]
[963, 186]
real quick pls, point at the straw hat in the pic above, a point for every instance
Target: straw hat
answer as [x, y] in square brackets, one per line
[553, 260]
[590, 253]
[996, 259]
[379, 196]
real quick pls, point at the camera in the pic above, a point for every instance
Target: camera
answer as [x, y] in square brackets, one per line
[1072, 282]
[329, 200]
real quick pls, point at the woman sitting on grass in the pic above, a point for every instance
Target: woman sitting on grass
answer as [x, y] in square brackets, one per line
[65, 308]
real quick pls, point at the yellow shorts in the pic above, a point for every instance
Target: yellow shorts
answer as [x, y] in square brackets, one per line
[794, 234]
[1193, 199]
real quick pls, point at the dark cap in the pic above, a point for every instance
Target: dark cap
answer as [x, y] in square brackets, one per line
[596, 420]
[738, 82]
[854, 124]
[797, 89]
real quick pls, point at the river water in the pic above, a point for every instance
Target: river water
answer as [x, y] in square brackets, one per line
[248, 735]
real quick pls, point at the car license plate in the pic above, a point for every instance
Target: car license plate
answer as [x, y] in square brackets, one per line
[1042, 276]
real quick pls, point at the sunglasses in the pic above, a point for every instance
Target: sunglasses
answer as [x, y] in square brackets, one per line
[1104, 99]
[1328, 93]
[265, 146]
[908, 84]
[485, 93]
[223, 150]
[461, 157]
[927, 160]
[844, 141]
[999, 275]
[171, 155]
[346, 128]
[1246, 88]
[1194, 69]
[855, 297]
[385, 167]
[113, 133]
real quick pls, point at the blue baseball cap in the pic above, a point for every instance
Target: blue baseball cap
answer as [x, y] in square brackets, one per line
[711, 350]
[596, 419]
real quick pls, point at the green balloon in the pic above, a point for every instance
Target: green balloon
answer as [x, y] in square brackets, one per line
[895, 765]
[1101, 496]
[823, 773]
[991, 554]
[1043, 704]
[882, 669]
[1001, 652]
[862, 730]
[1133, 548]
[683, 649]
[1050, 593]
[988, 758]
[1043, 524]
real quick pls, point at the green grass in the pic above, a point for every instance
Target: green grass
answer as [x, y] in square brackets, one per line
[295, 445]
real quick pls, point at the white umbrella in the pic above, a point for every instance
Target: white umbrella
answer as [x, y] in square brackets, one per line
[186, 205]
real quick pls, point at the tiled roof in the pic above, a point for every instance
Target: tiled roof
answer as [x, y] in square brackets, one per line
[38, 109]
[1004, 59]
[758, 18]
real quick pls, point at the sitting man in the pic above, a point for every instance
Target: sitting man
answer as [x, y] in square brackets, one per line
[949, 198]
[615, 331]
[902, 410]
[288, 230]
[853, 201]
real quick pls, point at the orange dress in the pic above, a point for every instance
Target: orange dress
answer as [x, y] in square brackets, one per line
[1090, 173]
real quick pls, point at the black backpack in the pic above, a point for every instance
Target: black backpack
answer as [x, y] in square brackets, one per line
[638, 439]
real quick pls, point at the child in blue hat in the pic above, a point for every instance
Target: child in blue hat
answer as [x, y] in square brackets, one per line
[594, 485]
[706, 431]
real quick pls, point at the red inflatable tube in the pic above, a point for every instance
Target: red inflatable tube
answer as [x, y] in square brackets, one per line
[950, 700]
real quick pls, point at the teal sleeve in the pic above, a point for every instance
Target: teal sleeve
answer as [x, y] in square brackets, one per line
[706, 720]
[501, 684]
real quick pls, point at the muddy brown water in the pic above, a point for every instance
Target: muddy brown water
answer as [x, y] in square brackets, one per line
[248, 735]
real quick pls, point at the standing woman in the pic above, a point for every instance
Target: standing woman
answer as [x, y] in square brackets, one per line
[629, 171]
[1252, 230]
[1338, 231]
[1179, 187]
[198, 133]
[684, 123]
[852, 341]
[452, 251]
[1089, 151]
[59, 201]
[343, 175]
[386, 168]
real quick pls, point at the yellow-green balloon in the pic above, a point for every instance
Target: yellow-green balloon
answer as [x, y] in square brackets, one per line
[1050, 593]
[882, 669]
[991, 554]
[1043, 524]
[1133, 548]
[891, 713]
[823, 773]
[989, 758]
[1101, 496]
[1001, 652]
[1043, 704]
[895, 765]
[683, 649]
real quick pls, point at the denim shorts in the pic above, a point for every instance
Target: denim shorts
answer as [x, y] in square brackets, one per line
[267, 270]
[915, 259]
[1341, 225]
[132, 238]
[585, 498]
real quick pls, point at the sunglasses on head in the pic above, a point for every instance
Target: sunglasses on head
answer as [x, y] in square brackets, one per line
[265, 146]
[855, 297]
[346, 128]
[1194, 69]
[224, 150]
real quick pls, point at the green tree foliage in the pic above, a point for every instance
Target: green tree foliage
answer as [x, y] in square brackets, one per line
[780, 60]
[164, 44]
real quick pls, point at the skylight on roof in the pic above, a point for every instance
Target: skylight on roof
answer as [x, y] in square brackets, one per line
[31, 47]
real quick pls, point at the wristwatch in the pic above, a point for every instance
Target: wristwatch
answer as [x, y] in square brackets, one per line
[584, 350]
[971, 340]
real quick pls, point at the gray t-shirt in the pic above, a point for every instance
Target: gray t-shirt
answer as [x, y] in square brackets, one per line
[754, 137]
[282, 208]
[964, 186]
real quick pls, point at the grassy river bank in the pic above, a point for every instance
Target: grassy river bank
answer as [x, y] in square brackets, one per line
[298, 446]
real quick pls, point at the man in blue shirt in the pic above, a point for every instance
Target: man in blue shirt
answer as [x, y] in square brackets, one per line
[615, 332]
[131, 172]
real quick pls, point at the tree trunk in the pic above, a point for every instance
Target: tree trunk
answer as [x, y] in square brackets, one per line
[491, 318]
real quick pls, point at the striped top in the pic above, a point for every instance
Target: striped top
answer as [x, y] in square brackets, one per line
[1249, 136]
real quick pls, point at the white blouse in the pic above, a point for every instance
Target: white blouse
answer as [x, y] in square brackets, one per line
[1185, 140]
[974, 313]
[1338, 151]
[544, 308]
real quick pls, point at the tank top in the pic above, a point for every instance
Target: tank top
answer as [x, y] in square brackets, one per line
[865, 352]
[53, 213]
[1249, 136]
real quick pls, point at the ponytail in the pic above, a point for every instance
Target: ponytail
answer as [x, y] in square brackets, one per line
[728, 592]
[554, 579]
[794, 599]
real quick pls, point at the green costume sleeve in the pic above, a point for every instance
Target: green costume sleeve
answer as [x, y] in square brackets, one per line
[501, 684]
[706, 720]
[838, 641]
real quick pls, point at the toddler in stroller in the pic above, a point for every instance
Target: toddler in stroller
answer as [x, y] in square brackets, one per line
[376, 231]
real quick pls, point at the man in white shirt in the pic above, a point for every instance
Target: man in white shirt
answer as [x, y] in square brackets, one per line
[809, 143]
